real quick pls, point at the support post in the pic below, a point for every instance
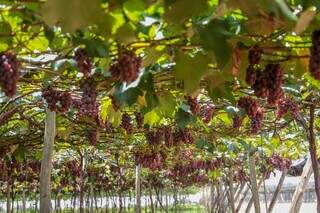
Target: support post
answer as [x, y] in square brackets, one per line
[46, 162]
[138, 188]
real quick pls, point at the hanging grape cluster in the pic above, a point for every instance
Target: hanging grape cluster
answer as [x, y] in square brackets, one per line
[268, 83]
[168, 136]
[84, 62]
[206, 112]
[278, 162]
[183, 135]
[9, 73]
[236, 121]
[57, 101]
[194, 105]
[88, 103]
[275, 81]
[314, 61]
[250, 106]
[154, 160]
[154, 137]
[240, 176]
[207, 165]
[139, 119]
[108, 127]
[93, 137]
[286, 105]
[254, 112]
[127, 67]
[254, 57]
[126, 123]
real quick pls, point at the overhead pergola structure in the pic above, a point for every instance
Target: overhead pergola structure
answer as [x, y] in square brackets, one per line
[138, 97]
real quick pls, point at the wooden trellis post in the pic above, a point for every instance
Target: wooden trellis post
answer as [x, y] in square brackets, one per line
[254, 185]
[46, 162]
[138, 188]
[277, 191]
[298, 194]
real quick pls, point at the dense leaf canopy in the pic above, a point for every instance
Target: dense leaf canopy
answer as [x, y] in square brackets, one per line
[159, 82]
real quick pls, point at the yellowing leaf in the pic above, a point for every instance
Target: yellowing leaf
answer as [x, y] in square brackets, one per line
[39, 43]
[106, 103]
[114, 117]
[151, 118]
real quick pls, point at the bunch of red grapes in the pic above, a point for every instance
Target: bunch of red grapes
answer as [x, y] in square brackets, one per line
[74, 168]
[240, 176]
[154, 137]
[152, 160]
[286, 105]
[127, 67]
[206, 112]
[183, 135]
[9, 73]
[314, 61]
[139, 119]
[254, 112]
[266, 83]
[254, 57]
[236, 121]
[168, 136]
[278, 162]
[88, 104]
[208, 165]
[194, 105]
[84, 62]
[126, 123]
[93, 137]
[108, 127]
[57, 101]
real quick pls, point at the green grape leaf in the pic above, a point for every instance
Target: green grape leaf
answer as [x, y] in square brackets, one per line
[181, 10]
[183, 118]
[190, 70]
[94, 47]
[133, 9]
[72, 14]
[126, 33]
[214, 38]
[151, 56]
[129, 96]
[167, 104]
